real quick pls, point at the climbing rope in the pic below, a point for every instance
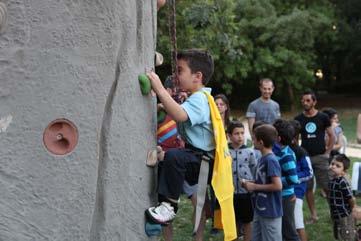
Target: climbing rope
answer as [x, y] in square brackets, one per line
[173, 39]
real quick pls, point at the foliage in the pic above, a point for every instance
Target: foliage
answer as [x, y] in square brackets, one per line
[249, 39]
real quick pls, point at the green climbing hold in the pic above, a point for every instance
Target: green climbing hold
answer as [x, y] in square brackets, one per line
[144, 83]
[161, 116]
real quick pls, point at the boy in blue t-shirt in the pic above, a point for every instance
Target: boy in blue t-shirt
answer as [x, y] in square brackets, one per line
[267, 221]
[195, 68]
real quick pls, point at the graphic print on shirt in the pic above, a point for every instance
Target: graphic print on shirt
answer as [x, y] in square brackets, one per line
[261, 175]
[311, 128]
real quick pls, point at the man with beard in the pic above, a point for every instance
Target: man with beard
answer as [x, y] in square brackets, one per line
[263, 108]
[315, 125]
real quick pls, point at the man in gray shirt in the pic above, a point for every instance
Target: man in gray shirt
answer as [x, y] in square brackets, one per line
[263, 108]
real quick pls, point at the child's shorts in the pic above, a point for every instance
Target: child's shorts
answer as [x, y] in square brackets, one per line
[243, 207]
[188, 189]
[344, 228]
[299, 224]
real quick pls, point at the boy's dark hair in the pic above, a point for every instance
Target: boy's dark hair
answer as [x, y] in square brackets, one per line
[233, 125]
[266, 133]
[296, 126]
[198, 60]
[285, 131]
[257, 124]
[330, 112]
[344, 159]
[310, 92]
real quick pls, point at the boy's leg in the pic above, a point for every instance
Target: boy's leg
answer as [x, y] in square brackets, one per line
[271, 229]
[178, 164]
[247, 227]
[346, 229]
[310, 198]
[299, 224]
[289, 232]
[257, 228]
[168, 232]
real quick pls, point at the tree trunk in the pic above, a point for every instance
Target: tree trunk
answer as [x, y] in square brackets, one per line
[76, 60]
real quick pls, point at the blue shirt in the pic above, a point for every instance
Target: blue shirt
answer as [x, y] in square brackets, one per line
[287, 160]
[268, 204]
[198, 130]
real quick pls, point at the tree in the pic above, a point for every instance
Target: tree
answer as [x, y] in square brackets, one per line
[252, 39]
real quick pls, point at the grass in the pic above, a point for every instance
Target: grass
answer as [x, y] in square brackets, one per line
[320, 231]
[348, 120]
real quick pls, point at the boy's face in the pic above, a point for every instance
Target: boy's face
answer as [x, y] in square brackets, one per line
[337, 168]
[257, 143]
[187, 80]
[237, 136]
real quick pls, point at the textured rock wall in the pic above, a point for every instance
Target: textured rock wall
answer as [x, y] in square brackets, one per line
[79, 60]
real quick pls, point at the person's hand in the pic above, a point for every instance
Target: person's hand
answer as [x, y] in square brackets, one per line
[249, 186]
[182, 96]
[155, 82]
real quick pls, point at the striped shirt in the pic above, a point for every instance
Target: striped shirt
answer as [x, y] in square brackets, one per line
[287, 160]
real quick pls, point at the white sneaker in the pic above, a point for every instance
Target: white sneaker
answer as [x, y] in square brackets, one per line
[162, 214]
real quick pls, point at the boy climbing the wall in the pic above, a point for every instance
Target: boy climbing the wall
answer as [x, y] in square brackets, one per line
[195, 68]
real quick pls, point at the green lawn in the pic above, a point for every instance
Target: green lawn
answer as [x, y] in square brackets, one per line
[321, 231]
[348, 119]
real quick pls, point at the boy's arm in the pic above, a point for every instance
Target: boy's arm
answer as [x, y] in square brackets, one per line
[306, 172]
[171, 107]
[275, 185]
[288, 166]
[352, 202]
[331, 140]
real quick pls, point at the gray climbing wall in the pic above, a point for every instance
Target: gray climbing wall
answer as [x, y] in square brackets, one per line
[78, 60]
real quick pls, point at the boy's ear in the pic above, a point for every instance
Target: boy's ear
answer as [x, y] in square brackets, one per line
[199, 76]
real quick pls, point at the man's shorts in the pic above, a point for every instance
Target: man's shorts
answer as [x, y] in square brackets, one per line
[243, 208]
[299, 224]
[320, 170]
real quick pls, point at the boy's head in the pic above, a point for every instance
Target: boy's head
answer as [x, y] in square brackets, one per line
[297, 128]
[265, 136]
[285, 130]
[235, 132]
[340, 164]
[195, 68]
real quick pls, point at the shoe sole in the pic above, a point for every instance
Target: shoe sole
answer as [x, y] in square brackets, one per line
[154, 220]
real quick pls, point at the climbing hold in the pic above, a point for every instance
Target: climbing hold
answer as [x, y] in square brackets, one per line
[158, 59]
[161, 116]
[3, 16]
[60, 137]
[144, 83]
[152, 229]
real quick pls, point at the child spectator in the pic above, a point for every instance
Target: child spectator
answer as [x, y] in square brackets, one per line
[305, 173]
[287, 160]
[340, 139]
[267, 220]
[244, 167]
[223, 107]
[341, 200]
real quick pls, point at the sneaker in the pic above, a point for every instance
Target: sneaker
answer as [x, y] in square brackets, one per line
[162, 214]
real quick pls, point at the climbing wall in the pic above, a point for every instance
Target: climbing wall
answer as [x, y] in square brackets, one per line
[74, 126]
